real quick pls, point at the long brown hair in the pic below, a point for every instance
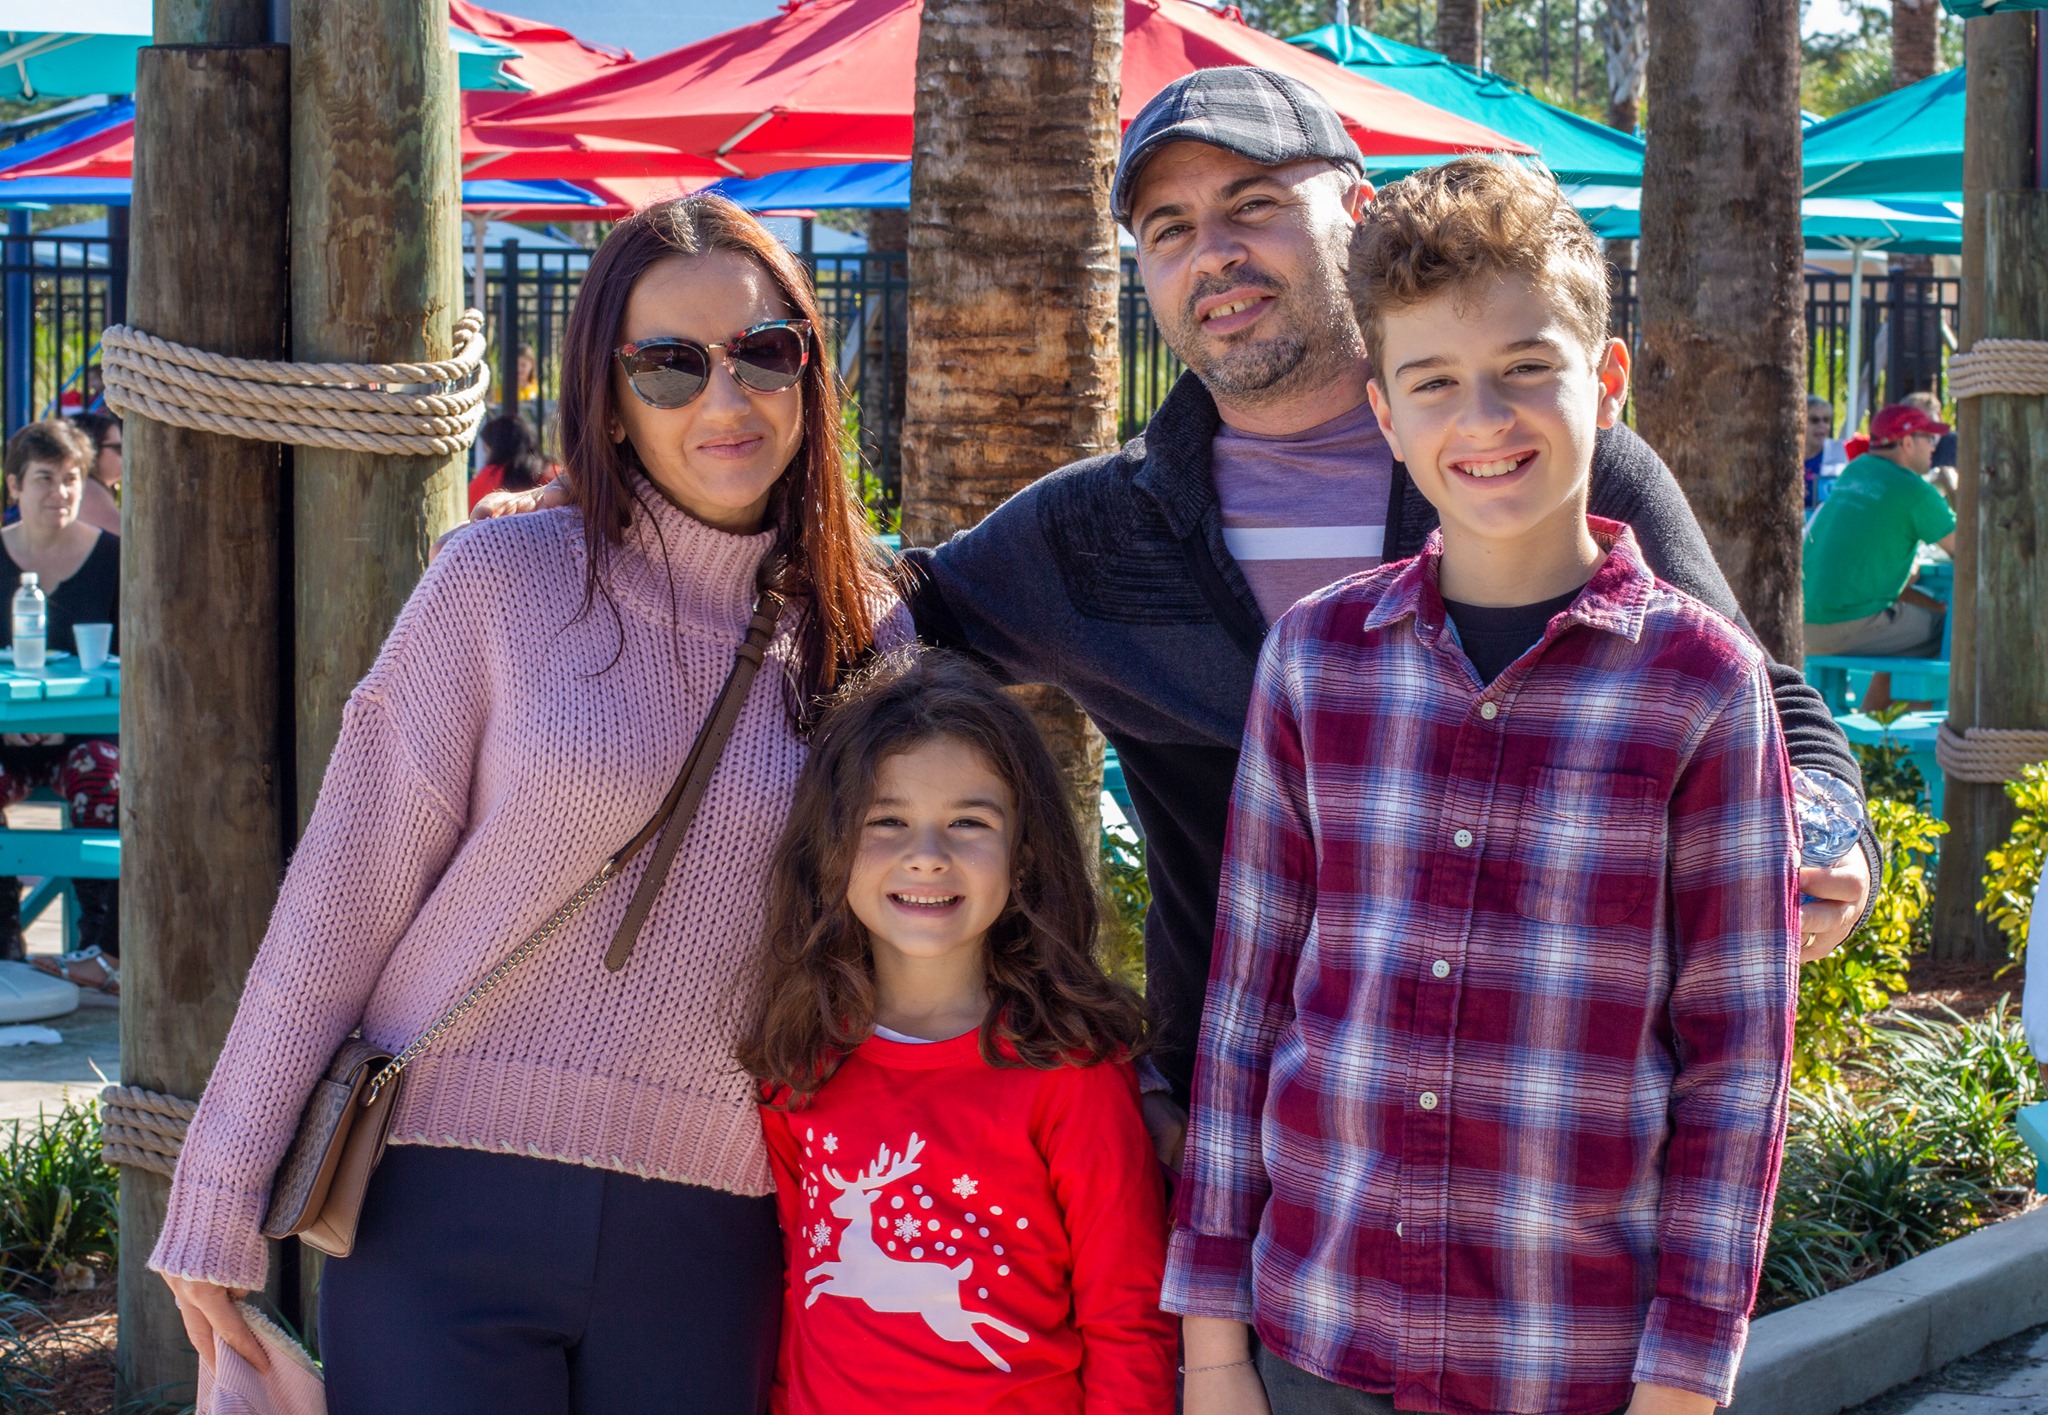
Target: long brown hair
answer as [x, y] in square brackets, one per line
[1051, 1003]
[823, 560]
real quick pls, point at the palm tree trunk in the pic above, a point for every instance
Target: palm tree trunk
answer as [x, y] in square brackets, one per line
[1013, 278]
[1459, 31]
[1720, 375]
[1916, 36]
[1625, 38]
[1916, 41]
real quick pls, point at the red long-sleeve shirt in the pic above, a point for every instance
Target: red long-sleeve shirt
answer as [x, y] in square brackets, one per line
[967, 1237]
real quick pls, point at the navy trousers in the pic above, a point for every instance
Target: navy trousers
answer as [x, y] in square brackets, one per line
[488, 1284]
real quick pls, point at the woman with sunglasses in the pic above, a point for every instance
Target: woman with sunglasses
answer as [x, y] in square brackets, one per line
[575, 1211]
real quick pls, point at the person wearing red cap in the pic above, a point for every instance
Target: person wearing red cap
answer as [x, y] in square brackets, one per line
[1861, 545]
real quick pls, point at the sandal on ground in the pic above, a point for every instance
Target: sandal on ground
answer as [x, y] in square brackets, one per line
[99, 973]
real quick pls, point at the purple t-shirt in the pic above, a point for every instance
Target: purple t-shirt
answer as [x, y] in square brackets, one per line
[1305, 510]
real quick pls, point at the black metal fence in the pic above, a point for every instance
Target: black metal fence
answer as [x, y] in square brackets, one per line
[1909, 324]
[57, 293]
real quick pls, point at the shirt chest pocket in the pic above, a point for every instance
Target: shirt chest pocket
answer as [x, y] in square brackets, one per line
[1589, 846]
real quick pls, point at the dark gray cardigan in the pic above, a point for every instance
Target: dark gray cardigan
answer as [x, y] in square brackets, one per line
[1109, 577]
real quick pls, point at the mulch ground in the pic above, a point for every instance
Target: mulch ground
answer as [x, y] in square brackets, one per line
[74, 1348]
[1966, 987]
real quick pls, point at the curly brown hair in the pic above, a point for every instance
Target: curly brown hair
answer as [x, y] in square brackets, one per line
[1446, 227]
[1051, 1003]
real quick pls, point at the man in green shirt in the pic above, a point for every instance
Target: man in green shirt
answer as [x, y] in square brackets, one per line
[1861, 545]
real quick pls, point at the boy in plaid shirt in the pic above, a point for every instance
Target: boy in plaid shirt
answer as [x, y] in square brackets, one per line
[1491, 1092]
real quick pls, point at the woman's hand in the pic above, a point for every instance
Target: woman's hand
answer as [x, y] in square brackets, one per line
[32, 739]
[208, 1308]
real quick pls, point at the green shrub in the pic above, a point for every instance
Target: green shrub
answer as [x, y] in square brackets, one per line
[1838, 993]
[1888, 769]
[1958, 1082]
[2013, 870]
[23, 1383]
[1126, 895]
[1862, 1189]
[59, 1201]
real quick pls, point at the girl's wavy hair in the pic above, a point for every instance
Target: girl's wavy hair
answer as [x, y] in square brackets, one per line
[823, 560]
[1051, 1003]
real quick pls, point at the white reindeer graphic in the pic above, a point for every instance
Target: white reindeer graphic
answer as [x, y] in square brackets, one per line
[886, 1284]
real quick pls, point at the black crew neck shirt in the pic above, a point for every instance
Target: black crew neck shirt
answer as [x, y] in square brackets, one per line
[1494, 637]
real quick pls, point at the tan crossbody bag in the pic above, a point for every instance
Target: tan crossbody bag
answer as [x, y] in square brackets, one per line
[317, 1194]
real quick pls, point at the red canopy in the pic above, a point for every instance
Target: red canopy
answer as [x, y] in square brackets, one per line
[832, 81]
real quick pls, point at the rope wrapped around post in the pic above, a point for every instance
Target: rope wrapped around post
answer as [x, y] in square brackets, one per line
[143, 1129]
[1988, 755]
[418, 409]
[2017, 367]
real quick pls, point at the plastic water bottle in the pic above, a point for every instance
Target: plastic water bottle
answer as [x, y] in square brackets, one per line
[1829, 815]
[31, 622]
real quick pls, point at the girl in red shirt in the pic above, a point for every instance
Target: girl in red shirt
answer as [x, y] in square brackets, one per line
[971, 1210]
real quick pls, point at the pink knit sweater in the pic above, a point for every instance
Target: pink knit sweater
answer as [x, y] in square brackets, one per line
[492, 759]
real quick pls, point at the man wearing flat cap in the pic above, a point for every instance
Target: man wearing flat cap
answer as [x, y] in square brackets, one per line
[1143, 581]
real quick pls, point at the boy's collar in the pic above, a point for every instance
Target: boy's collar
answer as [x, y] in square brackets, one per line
[1616, 599]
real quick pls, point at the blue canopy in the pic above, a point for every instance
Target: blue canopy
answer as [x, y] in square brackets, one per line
[870, 185]
[477, 193]
[1909, 141]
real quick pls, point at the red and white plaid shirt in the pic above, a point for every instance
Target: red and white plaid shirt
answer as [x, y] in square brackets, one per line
[1491, 1094]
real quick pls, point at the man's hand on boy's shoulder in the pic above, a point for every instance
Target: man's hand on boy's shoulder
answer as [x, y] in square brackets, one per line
[1839, 892]
[1669, 1400]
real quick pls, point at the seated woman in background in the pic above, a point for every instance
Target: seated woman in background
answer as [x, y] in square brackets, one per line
[78, 567]
[100, 505]
[512, 459]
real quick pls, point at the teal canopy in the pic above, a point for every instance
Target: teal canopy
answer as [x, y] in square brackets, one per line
[97, 54]
[1907, 143]
[1576, 149]
[1828, 223]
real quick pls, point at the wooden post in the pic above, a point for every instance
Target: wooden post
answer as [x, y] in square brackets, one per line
[1997, 156]
[205, 755]
[376, 276]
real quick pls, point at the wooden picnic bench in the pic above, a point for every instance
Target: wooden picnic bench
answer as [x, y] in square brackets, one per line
[61, 697]
[1913, 679]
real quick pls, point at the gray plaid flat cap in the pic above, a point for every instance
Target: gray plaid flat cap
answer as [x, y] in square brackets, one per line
[1255, 113]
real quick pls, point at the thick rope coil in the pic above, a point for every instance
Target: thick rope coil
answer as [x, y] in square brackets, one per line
[1988, 754]
[2018, 367]
[143, 1129]
[423, 409]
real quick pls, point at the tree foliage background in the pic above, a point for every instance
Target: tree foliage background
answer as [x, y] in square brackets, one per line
[1550, 47]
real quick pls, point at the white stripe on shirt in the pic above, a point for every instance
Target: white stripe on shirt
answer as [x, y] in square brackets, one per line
[1305, 542]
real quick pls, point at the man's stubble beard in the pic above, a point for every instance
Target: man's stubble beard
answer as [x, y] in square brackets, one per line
[1317, 342]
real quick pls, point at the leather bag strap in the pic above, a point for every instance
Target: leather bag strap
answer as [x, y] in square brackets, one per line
[672, 822]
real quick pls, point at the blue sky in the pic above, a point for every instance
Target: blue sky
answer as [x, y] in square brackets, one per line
[651, 26]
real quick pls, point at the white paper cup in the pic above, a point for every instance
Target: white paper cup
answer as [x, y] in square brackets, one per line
[93, 642]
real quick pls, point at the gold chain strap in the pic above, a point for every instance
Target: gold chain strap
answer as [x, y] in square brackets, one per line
[490, 980]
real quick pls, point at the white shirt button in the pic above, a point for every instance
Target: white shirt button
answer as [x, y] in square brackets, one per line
[1440, 968]
[1463, 839]
[1397, 1231]
[1489, 710]
[1427, 1100]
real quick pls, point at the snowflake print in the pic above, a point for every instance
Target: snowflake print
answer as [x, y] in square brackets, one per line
[831, 1144]
[821, 1234]
[965, 1187]
[908, 1228]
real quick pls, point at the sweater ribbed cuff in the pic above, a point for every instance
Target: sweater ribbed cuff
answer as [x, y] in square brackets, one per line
[212, 1235]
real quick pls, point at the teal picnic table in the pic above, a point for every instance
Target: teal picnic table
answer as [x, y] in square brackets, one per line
[61, 697]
